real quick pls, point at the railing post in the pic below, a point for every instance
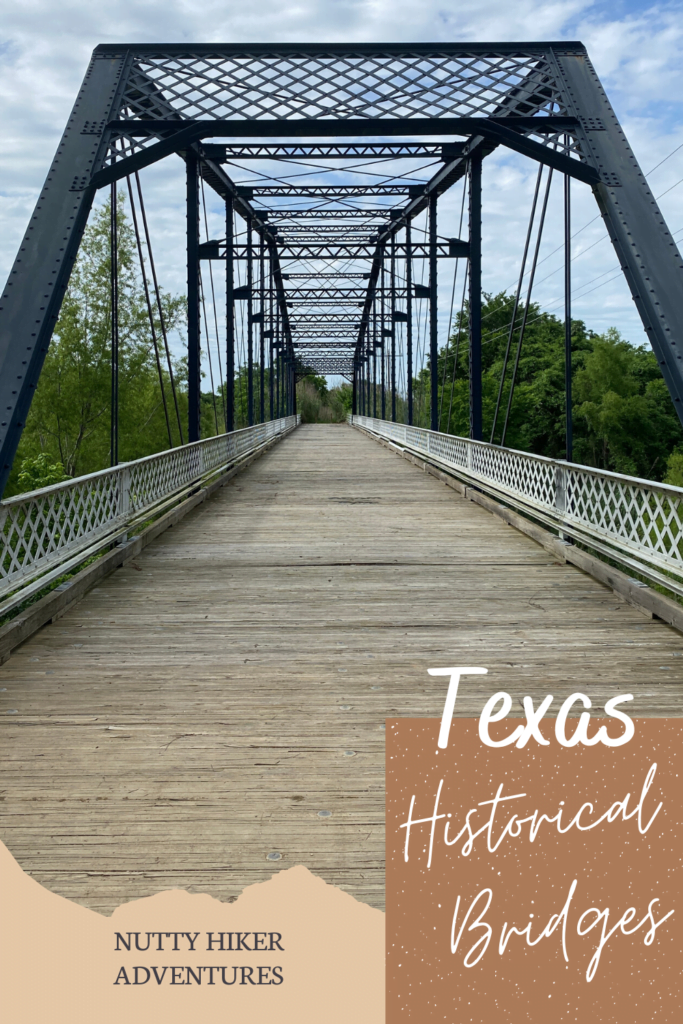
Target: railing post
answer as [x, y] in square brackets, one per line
[561, 492]
[124, 498]
[124, 490]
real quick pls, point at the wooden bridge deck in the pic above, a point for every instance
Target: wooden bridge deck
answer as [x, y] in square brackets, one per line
[222, 698]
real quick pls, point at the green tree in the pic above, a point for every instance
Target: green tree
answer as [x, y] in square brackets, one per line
[69, 420]
[623, 416]
[40, 471]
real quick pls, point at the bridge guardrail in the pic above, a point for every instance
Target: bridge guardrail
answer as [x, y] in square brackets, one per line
[638, 523]
[47, 532]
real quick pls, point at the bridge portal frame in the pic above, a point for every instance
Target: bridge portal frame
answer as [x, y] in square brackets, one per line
[139, 103]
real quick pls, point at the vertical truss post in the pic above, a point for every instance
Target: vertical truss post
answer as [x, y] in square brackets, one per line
[381, 334]
[114, 293]
[278, 361]
[193, 326]
[271, 326]
[393, 327]
[409, 314]
[374, 354]
[568, 318]
[354, 388]
[293, 383]
[433, 317]
[262, 327]
[229, 316]
[476, 428]
[250, 322]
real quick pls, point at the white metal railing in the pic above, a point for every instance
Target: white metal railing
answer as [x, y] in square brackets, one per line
[45, 533]
[638, 523]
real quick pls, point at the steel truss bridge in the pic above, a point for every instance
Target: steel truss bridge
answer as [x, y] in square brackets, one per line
[348, 112]
[255, 618]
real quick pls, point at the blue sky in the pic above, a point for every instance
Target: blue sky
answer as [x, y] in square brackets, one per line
[636, 48]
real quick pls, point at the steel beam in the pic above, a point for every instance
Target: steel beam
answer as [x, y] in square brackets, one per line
[250, 321]
[319, 250]
[647, 253]
[33, 295]
[229, 318]
[475, 297]
[433, 316]
[320, 150]
[409, 314]
[194, 372]
[476, 426]
[502, 131]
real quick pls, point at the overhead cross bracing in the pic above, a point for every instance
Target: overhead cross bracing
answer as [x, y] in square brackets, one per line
[331, 159]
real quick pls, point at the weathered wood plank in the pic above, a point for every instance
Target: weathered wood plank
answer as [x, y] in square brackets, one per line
[200, 708]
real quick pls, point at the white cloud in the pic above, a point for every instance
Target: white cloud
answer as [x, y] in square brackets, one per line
[45, 47]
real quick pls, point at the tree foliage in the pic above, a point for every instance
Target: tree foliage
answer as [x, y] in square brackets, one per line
[69, 421]
[623, 417]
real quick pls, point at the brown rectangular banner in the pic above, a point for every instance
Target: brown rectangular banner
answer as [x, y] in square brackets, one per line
[539, 881]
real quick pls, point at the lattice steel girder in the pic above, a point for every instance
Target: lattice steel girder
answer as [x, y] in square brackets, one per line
[325, 318]
[314, 232]
[340, 275]
[322, 250]
[323, 150]
[509, 134]
[280, 217]
[337, 334]
[328, 295]
[328, 367]
[331, 192]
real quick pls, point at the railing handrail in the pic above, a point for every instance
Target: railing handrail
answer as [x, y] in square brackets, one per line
[48, 531]
[635, 522]
[73, 480]
[532, 455]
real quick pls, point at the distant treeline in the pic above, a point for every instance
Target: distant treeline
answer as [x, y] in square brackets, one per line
[624, 419]
[623, 416]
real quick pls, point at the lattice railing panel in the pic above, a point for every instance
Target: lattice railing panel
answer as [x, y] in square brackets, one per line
[46, 528]
[639, 517]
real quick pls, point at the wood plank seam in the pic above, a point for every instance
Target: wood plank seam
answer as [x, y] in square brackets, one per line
[56, 603]
[640, 596]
